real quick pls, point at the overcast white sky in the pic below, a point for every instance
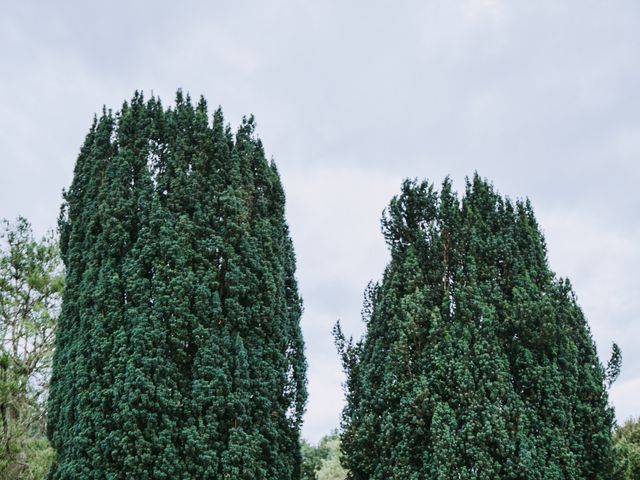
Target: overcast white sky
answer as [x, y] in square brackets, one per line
[541, 97]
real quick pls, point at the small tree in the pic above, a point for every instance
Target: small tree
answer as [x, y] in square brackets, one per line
[322, 461]
[626, 444]
[312, 457]
[330, 466]
[31, 283]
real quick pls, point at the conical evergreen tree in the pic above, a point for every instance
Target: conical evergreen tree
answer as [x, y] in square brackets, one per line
[477, 362]
[179, 351]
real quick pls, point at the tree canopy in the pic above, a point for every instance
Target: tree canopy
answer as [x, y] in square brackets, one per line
[179, 352]
[477, 362]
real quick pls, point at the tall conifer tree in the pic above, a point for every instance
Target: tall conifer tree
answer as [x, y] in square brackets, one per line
[477, 362]
[179, 352]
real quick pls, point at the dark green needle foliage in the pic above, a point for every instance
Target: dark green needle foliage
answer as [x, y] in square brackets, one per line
[477, 362]
[179, 353]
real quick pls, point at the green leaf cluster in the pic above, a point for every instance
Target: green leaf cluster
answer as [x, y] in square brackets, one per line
[477, 362]
[179, 353]
[626, 444]
[322, 461]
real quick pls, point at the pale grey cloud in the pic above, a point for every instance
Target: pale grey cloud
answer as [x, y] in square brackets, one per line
[350, 98]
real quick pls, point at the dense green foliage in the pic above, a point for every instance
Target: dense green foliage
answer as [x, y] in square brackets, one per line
[331, 466]
[322, 461]
[626, 444]
[477, 362]
[179, 352]
[31, 283]
[312, 457]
